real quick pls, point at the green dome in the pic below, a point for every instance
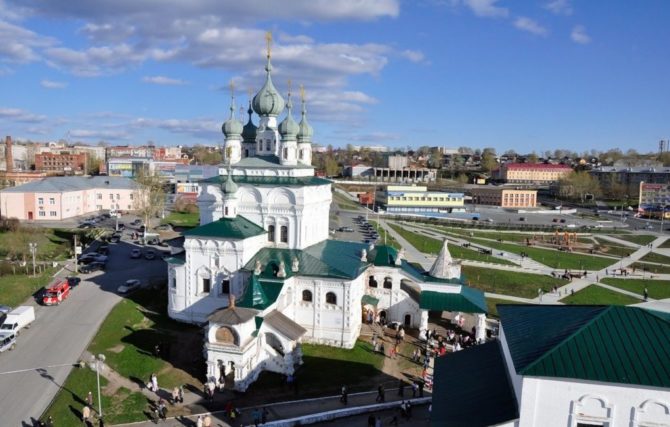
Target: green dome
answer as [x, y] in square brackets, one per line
[232, 127]
[249, 131]
[306, 132]
[289, 129]
[268, 102]
[229, 187]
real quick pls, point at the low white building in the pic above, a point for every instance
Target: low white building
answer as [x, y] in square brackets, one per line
[261, 273]
[574, 366]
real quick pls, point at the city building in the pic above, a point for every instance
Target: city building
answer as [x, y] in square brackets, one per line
[627, 179]
[261, 271]
[358, 171]
[128, 167]
[654, 199]
[503, 197]
[560, 365]
[56, 198]
[417, 200]
[62, 163]
[532, 173]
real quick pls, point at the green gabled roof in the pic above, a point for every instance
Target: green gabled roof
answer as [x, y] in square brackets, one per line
[260, 294]
[269, 181]
[472, 388]
[227, 228]
[385, 256]
[330, 258]
[614, 344]
[468, 300]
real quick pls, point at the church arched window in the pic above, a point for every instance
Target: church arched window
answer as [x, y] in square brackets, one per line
[284, 234]
[307, 295]
[331, 298]
[388, 283]
[372, 282]
[267, 145]
[271, 233]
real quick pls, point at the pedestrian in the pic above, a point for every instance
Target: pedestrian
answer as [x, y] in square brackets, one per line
[207, 422]
[181, 394]
[393, 351]
[381, 349]
[402, 334]
[343, 394]
[89, 399]
[101, 422]
[198, 422]
[162, 409]
[374, 340]
[646, 294]
[402, 409]
[421, 385]
[154, 383]
[210, 389]
[85, 414]
[380, 394]
[50, 422]
[175, 395]
[408, 409]
[415, 388]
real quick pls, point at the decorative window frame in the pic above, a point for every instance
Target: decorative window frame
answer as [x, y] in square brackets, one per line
[577, 416]
[639, 413]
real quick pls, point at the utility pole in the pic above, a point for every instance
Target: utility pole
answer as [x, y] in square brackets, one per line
[76, 264]
[33, 250]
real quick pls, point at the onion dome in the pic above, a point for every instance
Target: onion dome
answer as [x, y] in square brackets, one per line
[268, 101]
[229, 187]
[306, 132]
[232, 127]
[288, 129]
[249, 131]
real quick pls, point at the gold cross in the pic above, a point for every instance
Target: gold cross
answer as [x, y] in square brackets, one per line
[268, 40]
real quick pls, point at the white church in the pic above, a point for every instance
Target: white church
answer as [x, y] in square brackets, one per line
[260, 272]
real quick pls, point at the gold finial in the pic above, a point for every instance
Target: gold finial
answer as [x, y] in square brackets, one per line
[302, 93]
[268, 41]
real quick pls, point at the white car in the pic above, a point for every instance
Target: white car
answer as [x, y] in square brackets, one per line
[130, 286]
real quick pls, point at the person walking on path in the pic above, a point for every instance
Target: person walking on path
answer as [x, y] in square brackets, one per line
[646, 294]
[421, 384]
[154, 383]
[198, 422]
[89, 399]
[175, 395]
[415, 388]
[86, 415]
[344, 395]
[380, 394]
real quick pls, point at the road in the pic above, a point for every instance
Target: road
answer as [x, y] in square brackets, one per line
[60, 334]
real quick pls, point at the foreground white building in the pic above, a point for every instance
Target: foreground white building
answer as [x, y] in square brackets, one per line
[261, 273]
[573, 366]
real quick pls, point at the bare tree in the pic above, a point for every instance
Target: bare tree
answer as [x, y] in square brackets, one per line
[149, 197]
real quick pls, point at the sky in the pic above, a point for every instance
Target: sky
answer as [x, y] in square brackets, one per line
[523, 75]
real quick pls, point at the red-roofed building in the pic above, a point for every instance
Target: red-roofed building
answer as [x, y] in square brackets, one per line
[532, 173]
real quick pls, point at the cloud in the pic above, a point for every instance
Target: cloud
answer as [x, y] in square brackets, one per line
[162, 80]
[579, 35]
[413, 55]
[486, 8]
[98, 134]
[529, 25]
[374, 137]
[18, 44]
[559, 7]
[18, 115]
[50, 84]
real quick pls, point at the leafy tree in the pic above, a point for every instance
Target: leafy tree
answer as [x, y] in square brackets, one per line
[577, 185]
[532, 157]
[149, 197]
[331, 166]
[489, 162]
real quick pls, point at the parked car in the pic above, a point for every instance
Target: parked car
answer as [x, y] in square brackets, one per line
[164, 227]
[135, 253]
[130, 286]
[346, 229]
[58, 292]
[7, 341]
[5, 309]
[19, 318]
[115, 238]
[94, 266]
[136, 222]
[86, 225]
[88, 257]
[522, 218]
[150, 254]
[121, 226]
[73, 281]
[562, 220]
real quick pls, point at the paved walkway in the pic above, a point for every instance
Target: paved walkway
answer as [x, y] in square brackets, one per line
[619, 242]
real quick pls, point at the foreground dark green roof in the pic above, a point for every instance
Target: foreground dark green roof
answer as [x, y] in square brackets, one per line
[468, 300]
[260, 294]
[615, 344]
[330, 258]
[228, 228]
[269, 181]
[472, 388]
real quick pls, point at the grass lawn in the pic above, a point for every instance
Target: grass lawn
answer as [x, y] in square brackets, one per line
[652, 268]
[512, 283]
[654, 257]
[431, 245]
[120, 407]
[345, 203]
[596, 295]
[52, 243]
[182, 219]
[492, 302]
[609, 248]
[15, 289]
[658, 289]
[640, 239]
[665, 244]
[552, 258]
[384, 236]
[506, 237]
[326, 366]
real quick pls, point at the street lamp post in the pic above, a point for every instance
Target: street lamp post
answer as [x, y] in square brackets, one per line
[33, 251]
[98, 360]
[662, 217]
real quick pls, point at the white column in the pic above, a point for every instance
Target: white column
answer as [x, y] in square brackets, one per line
[423, 326]
[480, 329]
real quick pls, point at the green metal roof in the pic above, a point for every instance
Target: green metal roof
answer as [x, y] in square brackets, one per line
[385, 256]
[270, 181]
[615, 344]
[260, 294]
[472, 388]
[330, 258]
[369, 299]
[468, 300]
[228, 228]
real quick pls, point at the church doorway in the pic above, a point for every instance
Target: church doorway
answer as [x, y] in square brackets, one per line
[408, 320]
[382, 317]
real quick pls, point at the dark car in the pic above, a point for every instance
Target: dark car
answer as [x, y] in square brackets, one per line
[88, 258]
[121, 226]
[115, 238]
[136, 222]
[94, 266]
[73, 281]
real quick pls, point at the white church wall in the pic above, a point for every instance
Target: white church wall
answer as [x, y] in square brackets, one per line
[395, 302]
